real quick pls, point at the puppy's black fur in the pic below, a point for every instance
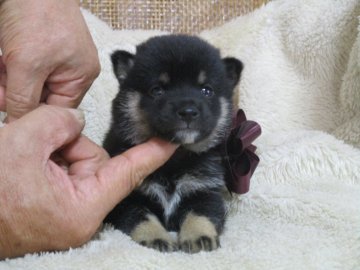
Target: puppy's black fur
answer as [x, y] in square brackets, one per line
[178, 88]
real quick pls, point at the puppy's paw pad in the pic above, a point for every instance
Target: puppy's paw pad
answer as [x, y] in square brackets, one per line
[205, 243]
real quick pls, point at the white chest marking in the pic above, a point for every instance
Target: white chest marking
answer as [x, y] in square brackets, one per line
[168, 202]
[185, 186]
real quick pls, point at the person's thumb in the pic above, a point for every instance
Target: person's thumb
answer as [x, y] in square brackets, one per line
[46, 129]
[121, 174]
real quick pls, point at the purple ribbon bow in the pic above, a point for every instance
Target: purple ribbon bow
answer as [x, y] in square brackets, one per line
[239, 155]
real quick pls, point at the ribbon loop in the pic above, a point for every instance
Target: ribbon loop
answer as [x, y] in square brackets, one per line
[240, 158]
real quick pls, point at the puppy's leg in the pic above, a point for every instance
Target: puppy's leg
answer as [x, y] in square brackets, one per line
[202, 222]
[151, 233]
[136, 217]
[198, 233]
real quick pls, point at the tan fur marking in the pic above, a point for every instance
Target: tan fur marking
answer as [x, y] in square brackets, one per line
[152, 234]
[164, 78]
[149, 230]
[201, 77]
[195, 226]
[193, 230]
[139, 128]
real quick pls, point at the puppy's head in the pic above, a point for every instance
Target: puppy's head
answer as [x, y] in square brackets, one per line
[178, 88]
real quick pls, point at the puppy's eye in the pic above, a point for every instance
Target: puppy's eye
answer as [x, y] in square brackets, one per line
[156, 91]
[207, 91]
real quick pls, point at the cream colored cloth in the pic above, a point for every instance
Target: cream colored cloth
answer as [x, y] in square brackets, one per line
[301, 82]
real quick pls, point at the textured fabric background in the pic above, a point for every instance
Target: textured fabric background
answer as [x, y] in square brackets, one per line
[185, 16]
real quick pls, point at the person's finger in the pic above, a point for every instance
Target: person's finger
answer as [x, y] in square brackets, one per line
[24, 86]
[46, 129]
[121, 174]
[69, 83]
[84, 156]
[65, 92]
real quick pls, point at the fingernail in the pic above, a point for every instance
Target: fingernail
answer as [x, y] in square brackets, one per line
[79, 114]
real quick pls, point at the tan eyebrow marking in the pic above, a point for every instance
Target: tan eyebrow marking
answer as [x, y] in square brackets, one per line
[164, 78]
[202, 77]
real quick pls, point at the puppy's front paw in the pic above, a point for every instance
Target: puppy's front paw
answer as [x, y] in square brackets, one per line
[203, 242]
[162, 245]
[198, 233]
[152, 234]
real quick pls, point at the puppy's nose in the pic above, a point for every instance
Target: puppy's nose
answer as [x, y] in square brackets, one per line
[188, 113]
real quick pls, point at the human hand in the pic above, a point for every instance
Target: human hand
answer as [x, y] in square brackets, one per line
[48, 55]
[45, 206]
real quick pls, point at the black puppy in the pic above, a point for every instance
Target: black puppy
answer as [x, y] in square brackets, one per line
[178, 88]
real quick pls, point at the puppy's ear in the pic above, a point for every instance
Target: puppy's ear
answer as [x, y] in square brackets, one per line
[122, 62]
[233, 69]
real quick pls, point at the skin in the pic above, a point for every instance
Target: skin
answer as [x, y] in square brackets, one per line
[56, 186]
[48, 53]
[54, 195]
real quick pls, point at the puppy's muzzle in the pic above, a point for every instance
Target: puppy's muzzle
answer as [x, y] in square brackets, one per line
[188, 113]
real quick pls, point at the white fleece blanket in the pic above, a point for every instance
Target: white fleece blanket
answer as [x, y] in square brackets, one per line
[301, 82]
